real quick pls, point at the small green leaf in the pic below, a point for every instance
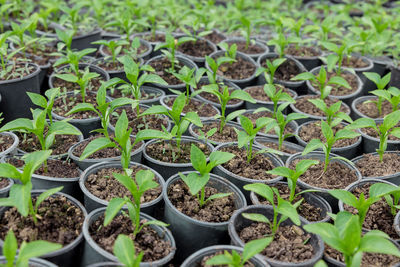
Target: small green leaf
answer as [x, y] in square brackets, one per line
[254, 247]
[113, 207]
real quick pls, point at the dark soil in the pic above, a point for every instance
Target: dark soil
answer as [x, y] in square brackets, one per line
[103, 185]
[160, 38]
[251, 49]
[378, 216]
[59, 221]
[276, 147]
[138, 124]
[254, 116]
[302, 51]
[313, 131]
[206, 258]
[31, 58]
[162, 69]
[354, 62]
[64, 103]
[307, 107]
[371, 166]
[286, 71]
[290, 243]
[368, 259]
[202, 109]
[228, 133]
[199, 48]
[19, 70]
[147, 241]
[108, 65]
[166, 151]
[215, 37]
[373, 133]
[371, 110]
[337, 176]
[4, 183]
[256, 169]
[6, 142]
[216, 211]
[307, 210]
[30, 143]
[213, 98]
[239, 70]
[108, 152]
[93, 85]
[257, 92]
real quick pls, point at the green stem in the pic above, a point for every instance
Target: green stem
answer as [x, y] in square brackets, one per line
[32, 211]
[250, 151]
[223, 121]
[202, 197]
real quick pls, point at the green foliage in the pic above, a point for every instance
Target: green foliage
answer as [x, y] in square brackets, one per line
[381, 93]
[115, 47]
[332, 113]
[124, 250]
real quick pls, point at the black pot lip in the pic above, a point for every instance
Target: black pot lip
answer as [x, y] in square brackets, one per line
[382, 178]
[142, 55]
[76, 241]
[33, 74]
[360, 100]
[212, 249]
[341, 97]
[366, 136]
[277, 160]
[214, 177]
[233, 234]
[141, 34]
[107, 58]
[320, 154]
[334, 149]
[283, 82]
[276, 141]
[238, 54]
[83, 36]
[194, 58]
[167, 234]
[34, 261]
[365, 59]
[241, 39]
[248, 88]
[116, 164]
[310, 116]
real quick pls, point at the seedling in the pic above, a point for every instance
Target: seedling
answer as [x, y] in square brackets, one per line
[230, 51]
[280, 207]
[46, 103]
[324, 85]
[245, 27]
[7, 65]
[20, 193]
[224, 96]
[332, 113]
[281, 42]
[337, 55]
[345, 235]
[196, 182]
[124, 250]
[381, 83]
[27, 251]
[73, 59]
[331, 139]
[293, 175]
[190, 77]
[144, 181]
[65, 36]
[269, 72]
[115, 47]
[215, 65]
[392, 95]
[388, 127]
[234, 259]
[393, 199]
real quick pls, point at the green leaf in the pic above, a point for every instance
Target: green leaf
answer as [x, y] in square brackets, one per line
[21, 194]
[67, 77]
[36, 249]
[218, 158]
[312, 145]
[282, 171]
[378, 190]
[256, 217]
[43, 196]
[18, 124]
[32, 162]
[81, 107]
[145, 181]
[234, 114]
[304, 77]
[321, 263]
[96, 145]
[151, 134]
[124, 250]
[10, 247]
[254, 247]
[219, 195]
[242, 95]
[362, 123]
[345, 196]
[373, 77]
[327, 232]
[9, 171]
[38, 99]
[223, 259]
[262, 190]
[195, 182]
[156, 109]
[303, 165]
[377, 244]
[155, 79]
[126, 181]
[193, 118]
[288, 210]
[246, 124]
[113, 207]
[390, 121]
[198, 159]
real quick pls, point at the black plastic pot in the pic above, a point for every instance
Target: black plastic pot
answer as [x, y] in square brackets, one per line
[323, 192]
[259, 140]
[145, 55]
[136, 156]
[37, 262]
[367, 84]
[238, 222]
[356, 114]
[309, 197]
[105, 35]
[167, 169]
[53, 26]
[298, 86]
[93, 202]
[233, 40]
[241, 181]
[68, 255]
[309, 62]
[182, 60]
[15, 101]
[84, 41]
[93, 253]
[198, 60]
[395, 77]
[192, 132]
[243, 82]
[148, 90]
[348, 152]
[198, 234]
[348, 99]
[196, 258]
[393, 178]
[13, 149]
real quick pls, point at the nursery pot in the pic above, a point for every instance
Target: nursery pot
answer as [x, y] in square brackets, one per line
[198, 234]
[167, 169]
[12, 150]
[348, 152]
[6, 190]
[238, 222]
[193, 127]
[395, 77]
[235, 40]
[145, 55]
[323, 192]
[309, 62]
[196, 258]
[69, 254]
[83, 41]
[15, 101]
[356, 114]
[93, 202]
[93, 253]
[136, 156]
[393, 178]
[37, 262]
[196, 59]
[242, 83]
[259, 140]
[241, 181]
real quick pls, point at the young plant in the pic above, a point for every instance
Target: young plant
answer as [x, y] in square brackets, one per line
[332, 113]
[269, 72]
[196, 182]
[281, 42]
[144, 181]
[73, 58]
[115, 47]
[337, 56]
[345, 235]
[331, 139]
[280, 207]
[393, 199]
[46, 103]
[224, 96]
[7, 65]
[214, 65]
[392, 95]
[190, 77]
[124, 250]
[26, 252]
[234, 259]
[380, 92]
[20, 193]
[230, 51]
[321, 81]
